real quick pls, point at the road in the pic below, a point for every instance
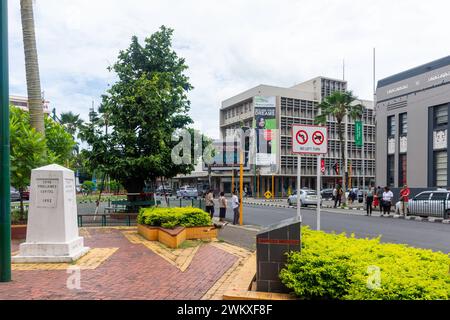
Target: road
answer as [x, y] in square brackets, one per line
[428, 235]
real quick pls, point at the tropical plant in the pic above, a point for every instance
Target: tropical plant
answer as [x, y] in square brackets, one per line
[342, 267]
[71, 122]
[339, 105]
[172, 217]
[27, 150]
[31, 149]
[32, 67]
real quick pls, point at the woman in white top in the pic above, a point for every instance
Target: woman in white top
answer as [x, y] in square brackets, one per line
[387, 201]
[222, 206]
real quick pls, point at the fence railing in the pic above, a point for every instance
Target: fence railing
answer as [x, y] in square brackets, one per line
[107, 219]
[172, 203]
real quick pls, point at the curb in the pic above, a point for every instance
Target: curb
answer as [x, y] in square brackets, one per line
[395, 216]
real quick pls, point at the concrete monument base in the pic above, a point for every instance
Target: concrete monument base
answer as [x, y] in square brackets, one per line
[51, 252]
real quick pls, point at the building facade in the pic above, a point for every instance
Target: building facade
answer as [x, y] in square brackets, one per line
[298, 105]
[412, 110]
[22, 103]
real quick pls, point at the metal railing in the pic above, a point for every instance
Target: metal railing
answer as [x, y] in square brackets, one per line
[181, 203]
[107, 219]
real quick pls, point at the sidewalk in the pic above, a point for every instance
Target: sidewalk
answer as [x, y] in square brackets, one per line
[122, 265]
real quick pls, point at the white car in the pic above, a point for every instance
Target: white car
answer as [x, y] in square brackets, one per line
[187, 193]
[430, 203]
[308, 197]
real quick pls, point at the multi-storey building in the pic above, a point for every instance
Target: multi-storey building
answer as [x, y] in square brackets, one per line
[298, 105]
[22, 103]
[412, 124]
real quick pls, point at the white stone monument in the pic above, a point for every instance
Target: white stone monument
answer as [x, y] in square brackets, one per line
[52, 231]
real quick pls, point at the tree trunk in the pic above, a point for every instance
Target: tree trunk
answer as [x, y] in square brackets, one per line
[341, 131]
[32, 67]
[22, 209]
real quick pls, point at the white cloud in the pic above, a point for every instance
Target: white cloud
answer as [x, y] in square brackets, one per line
[228, 45]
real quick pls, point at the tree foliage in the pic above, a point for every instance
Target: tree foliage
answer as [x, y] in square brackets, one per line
[31, 149]
[131, 136]
[338, 105]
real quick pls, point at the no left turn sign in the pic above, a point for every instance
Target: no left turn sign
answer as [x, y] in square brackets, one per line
[309, 139]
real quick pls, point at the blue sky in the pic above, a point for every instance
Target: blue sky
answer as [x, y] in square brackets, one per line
[229, 46]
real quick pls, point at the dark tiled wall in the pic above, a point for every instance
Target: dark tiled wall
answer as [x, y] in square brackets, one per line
[271, 248]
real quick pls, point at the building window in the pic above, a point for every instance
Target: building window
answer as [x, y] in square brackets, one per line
[391, 126]
[402, 170]
[440, 168]
[441, 116]
[390, 170]
[403, 119]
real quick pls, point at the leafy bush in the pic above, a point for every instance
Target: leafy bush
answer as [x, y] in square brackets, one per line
[19, 217]
[172, 217]
[88, 186]
[334, 266]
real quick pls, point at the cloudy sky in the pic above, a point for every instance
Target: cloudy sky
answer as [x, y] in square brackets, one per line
[230, 46]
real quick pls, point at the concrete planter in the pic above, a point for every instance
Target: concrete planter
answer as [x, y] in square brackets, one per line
[19, 231]
[173, 238]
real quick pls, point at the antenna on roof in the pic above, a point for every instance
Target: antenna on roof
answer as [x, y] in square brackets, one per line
[343, 69]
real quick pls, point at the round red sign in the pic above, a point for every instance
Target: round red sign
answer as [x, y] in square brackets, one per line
[318, 138]
[302, 137]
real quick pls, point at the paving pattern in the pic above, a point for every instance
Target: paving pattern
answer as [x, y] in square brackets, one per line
[122, 266]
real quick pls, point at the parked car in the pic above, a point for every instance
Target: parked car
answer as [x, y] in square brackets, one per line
[187, 193]
[164, 190]
[307, 197]
[327, 194]
[430, 203]
[15, 195]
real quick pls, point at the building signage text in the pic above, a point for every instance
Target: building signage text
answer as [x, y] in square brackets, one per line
[46, 192]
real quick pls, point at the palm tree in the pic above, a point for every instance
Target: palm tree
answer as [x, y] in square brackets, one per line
[32, 67]
[71, 122]
[338, 105]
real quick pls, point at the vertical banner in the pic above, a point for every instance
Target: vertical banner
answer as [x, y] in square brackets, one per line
[358, 133]
[265, 123]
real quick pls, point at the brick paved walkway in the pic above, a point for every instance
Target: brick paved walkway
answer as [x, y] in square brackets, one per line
[133, 271]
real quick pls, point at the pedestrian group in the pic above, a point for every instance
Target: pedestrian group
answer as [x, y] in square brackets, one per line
[223, 205]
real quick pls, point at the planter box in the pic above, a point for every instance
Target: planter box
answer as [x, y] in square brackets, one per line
[149, 233]
[173, 238]
[18, 232]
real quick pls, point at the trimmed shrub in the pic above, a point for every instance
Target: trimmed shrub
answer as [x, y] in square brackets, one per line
[332, 266]
[173, 217]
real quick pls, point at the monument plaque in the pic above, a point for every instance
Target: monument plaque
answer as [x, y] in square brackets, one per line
[52, 231]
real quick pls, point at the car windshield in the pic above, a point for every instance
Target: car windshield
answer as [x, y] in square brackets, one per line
[310, 193]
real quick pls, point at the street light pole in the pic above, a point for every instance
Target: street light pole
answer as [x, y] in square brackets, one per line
[5, 205]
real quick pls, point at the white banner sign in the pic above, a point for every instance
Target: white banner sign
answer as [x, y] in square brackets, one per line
[439, 139]
[309, 139]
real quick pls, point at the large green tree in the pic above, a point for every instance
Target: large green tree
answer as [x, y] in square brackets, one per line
[131, 136]
[338, 105]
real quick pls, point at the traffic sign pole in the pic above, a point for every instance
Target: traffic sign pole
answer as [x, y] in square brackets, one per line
[299, 164]
[319, 161]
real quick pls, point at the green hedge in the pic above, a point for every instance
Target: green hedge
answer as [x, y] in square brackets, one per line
[173, 217]
[334, 266]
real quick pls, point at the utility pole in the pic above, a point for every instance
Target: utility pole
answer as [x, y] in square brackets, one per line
[5, 205]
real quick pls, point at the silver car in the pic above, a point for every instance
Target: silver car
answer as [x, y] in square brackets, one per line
[430, 203]
[187, 193]
[308, 197]
[15, 195]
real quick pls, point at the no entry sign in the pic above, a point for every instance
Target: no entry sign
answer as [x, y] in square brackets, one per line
[309, 139]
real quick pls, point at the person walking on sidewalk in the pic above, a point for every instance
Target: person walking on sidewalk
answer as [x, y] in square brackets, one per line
[380, 198]
[387, 201]
[222, 207]
[235, 206]
[404, 198]
[338, 197]
[209, 203]
[369, 201]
